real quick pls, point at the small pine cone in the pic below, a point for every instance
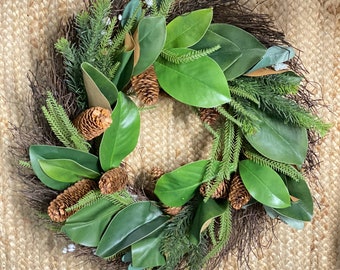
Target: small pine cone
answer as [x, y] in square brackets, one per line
[146, 86]
[93, 122]
[220, 193]
[113, 180]
[156, 173]
[209, 115]
[172, 211]
[70, 196]
[150, 182]
[238, 195]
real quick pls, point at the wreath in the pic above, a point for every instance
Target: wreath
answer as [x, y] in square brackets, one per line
[241, 79]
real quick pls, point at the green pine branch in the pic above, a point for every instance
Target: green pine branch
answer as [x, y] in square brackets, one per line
[243, 93]
[163, 8]
[283, 168]
[25, 164]
[61, 125]
[89, 199]
[193, 55]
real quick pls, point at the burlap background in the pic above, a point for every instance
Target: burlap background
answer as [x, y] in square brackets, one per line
[26, 27]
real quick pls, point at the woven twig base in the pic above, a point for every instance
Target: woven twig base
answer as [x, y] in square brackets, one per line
[26, 29]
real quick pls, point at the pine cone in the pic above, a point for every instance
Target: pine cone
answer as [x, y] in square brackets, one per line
[146, 86]
[220, 193]
[113, 180]
[70, 196]
[208, 115]
[172, 211]
[93, 122]
[150, 182]
[238, 195]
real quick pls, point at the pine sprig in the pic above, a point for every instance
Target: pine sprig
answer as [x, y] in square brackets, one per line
[228, 116]
[89, 199]
[191, 56]
[61, 125]
[163, 9]
[243, 111]
[283, 168]
[240, 92]
[25, 164]
[224, 233]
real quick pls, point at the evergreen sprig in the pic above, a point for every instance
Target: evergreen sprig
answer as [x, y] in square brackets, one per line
[89, 199]
[162, 8]
[280, 167]
[193, 55]
[62, 126]
[223, 234]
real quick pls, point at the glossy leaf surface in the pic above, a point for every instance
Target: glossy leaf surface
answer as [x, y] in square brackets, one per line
[279, 141]
[264, 184]
[226, 55]
[146, 252]
[205, 212]
[130, 9]
[178, 187]
[134, 223]
[99, 89]
[41, 152]
[124, 72]
[121, 137]
[66, 170]
[86, 226]
[186, 30]
[302, 209]
[151, 39]
[199, 83]
[252, 50]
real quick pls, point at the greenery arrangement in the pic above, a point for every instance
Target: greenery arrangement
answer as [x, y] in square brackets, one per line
[243, 92]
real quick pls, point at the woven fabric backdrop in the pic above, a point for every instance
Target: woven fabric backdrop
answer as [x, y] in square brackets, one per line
[26, 31]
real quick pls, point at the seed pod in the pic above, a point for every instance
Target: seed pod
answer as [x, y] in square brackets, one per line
[70, 196]
[220, 192]
[238, 195]
[92, 122]
[113, 180]
[146, 86]
[172, 211]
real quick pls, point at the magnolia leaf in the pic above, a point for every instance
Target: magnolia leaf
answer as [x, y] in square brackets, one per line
[177, 187]
[134, 223]
[130, 267]
[146, 252]
[86, 226]
[46, 152]
[121, 137]
[186, 30]
[199, 83]
[296, 224]
[129, 43]
[66, 170]
[205, 213]
[133, 7]
[274, 55]
[301, 209]
[151, 39]
[99, 89]
[123, 74]
[266, 71]
[279, 141]
[264, 184]
[252, 50]
[226, 55]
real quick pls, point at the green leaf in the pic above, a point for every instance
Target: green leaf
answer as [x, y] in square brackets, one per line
[66, 170]
[100, 90]
[279, 141]
[86, 226]
[301, 209]
[46, 152]
[121, 137]
[124, 72]
[130, 225]
[274, 55]
[296, 224]
[177, 187]
[205, 212]
[264, 184]
[188, 29]
[199, 83]
[226, 55]
[146, 252]
[151, 39]
[134, 6]
[252, 50]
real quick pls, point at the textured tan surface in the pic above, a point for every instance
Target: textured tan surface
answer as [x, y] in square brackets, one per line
[26, 27]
